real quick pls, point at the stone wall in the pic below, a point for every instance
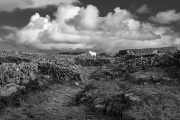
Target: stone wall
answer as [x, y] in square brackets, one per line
[16, 79]
[16, 73]
[59, 74]
[10, 53]
[13, 59]
[146, 51]
[92, 62]
[124, 66]
[71, 53]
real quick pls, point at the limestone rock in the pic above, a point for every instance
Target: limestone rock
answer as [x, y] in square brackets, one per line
[32, 75]
[25, 81]
[9, 91]
[11, 80]
[99, 108]
[77, 84]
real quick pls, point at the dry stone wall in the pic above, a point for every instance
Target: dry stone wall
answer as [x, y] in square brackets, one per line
[12, 59]
[59, 74]
[71, 53]
[15, 79]
[10, 53]
[124, 66]
[146, 51]
[92, 62]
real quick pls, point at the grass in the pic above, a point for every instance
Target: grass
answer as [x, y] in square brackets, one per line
[64, 102]
[157, 102]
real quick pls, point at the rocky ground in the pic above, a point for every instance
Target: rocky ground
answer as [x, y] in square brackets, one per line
[151, 94]
[79, 87]
[57, 102]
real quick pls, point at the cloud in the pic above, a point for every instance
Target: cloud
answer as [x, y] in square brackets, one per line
[82, 28]
[143, 9]
[10, 5]
[166, 17]
[8, 28]
[86, 19]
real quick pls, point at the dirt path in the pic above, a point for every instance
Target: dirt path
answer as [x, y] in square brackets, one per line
[51, 104]
[54, 103]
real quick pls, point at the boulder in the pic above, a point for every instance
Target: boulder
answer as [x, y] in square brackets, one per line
[9, 89]
[115, 105]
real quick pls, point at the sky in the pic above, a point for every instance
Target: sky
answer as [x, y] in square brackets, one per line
[97, 25]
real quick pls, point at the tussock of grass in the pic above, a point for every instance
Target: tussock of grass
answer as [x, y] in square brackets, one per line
[147, 102]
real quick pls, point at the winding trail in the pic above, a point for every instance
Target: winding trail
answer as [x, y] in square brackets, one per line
[51, 104]
[54, 103]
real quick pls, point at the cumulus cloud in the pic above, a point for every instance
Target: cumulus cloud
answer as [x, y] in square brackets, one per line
[10, 5]
[86, 19]
[143, 9]
[166, 17]
[82, 28]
